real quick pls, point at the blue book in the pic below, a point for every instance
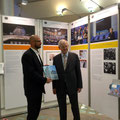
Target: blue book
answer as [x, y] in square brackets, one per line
[50, 72]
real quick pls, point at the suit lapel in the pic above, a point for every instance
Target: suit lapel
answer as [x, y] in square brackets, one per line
[60, 61]
[36, 58]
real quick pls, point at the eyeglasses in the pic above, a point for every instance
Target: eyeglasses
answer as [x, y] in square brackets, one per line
[37, 40]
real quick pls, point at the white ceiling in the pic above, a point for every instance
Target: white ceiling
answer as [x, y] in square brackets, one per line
[47, 8]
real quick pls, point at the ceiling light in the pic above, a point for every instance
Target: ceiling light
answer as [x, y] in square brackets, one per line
[60, 10]
[24, 2]
[65, 9]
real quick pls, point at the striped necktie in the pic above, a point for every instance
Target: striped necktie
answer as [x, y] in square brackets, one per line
[65, 61]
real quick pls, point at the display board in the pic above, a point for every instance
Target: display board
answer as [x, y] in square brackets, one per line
[79, 45]
[16, 33]
[52, 33]
[104, 60]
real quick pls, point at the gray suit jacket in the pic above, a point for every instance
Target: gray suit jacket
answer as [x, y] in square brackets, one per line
[71, 75]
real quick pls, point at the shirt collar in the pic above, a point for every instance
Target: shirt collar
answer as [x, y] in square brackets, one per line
[35, 50]
[65, 54]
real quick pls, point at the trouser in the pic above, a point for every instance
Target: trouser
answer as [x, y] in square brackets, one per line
[33, 107]
[63, 107]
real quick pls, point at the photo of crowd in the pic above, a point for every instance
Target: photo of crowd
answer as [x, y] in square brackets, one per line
[110, 67]
[79, 35]
[110, 54]
[51, 36]
[17, 34]
[106, 29]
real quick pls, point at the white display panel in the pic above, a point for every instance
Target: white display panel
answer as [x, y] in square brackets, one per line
[100, 81]
[52, 33]
[79, 45]
[16, 33]
[14, 91]
[104, 60]
[48, 60]
[83, 95]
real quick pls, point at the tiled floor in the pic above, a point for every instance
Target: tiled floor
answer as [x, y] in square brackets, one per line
[53, 114]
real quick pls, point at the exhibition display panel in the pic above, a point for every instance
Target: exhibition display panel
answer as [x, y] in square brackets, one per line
[104, 60]
[79, 45]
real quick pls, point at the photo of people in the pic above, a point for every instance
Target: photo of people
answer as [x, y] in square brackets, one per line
[110, 54]
[51, 36]
[110, 67]
[83, 58]
[104, 29]
[17, 34]
[79, 35]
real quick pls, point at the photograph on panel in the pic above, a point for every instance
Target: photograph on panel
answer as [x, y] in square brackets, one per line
[17, 34]
[51, 36]
[110, 54]
[104, 29]
[110, 67]
[50, 56]
[79, 35]
[83, 58]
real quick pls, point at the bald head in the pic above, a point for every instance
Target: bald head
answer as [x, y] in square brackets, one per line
[33, 38]
[35, 42]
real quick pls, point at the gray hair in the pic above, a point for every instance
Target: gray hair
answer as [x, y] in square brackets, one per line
[62, 42]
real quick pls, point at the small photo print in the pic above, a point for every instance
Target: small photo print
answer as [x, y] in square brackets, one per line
[83, 58]
[110, 54]
[83, 63]
[83, 54]
[51, 57]
[110, 67]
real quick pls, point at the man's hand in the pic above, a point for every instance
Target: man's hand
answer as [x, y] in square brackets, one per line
[54, 91]
[79, 90]
[48, 80]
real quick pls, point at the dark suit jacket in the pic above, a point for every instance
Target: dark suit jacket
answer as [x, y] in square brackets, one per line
[71, 75]
[33, 74]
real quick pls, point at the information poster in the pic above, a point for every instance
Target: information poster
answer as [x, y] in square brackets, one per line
[104, 60]
[16, 33]
[52, 33]
[79, 45]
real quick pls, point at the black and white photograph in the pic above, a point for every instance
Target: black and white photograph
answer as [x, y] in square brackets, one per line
[110, 54]
[17, 34]
[110, 67]
[51, 36]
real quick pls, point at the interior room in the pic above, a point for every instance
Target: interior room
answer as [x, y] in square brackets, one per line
[90, 28]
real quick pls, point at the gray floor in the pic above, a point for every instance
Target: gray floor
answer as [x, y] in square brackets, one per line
[53, 114]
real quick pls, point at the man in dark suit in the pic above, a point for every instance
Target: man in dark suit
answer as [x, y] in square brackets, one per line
[33, 78]
[70, 80]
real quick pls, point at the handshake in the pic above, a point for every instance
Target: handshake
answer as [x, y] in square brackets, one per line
[50, 73]
[48, 80]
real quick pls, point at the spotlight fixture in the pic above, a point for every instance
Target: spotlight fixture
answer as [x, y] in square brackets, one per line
[65, 9]
[24, 2]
